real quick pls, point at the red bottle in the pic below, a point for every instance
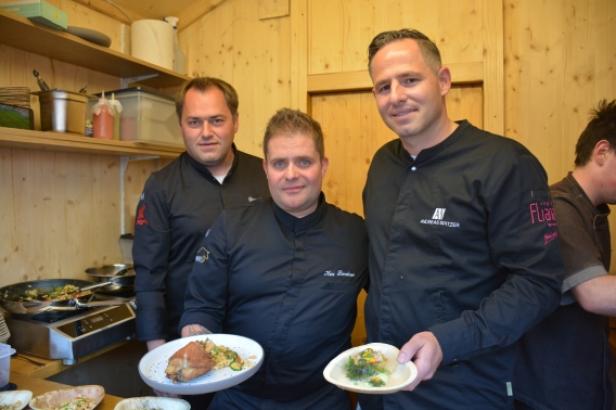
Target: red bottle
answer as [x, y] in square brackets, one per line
[102, 121]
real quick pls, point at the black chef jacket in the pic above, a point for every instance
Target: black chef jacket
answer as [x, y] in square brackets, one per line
[462, 244]
[178, 204]
[290, 284]
[565, 360]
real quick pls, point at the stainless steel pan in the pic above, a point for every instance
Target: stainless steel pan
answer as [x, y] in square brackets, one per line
[15, 299]
[120, 278]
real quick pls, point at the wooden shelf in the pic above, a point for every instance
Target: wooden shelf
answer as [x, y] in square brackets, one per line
[20, 33]
[68, 142]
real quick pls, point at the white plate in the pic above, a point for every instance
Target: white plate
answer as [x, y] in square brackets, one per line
[55, 398]
[16, 398]
[152, 403]
[401, 375]
[152, 366]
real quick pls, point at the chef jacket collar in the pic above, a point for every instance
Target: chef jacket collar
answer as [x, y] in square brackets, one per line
[429, 153]
[299, 225]
[202, 169]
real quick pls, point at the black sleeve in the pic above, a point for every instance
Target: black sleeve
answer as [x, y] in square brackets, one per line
[151, 248]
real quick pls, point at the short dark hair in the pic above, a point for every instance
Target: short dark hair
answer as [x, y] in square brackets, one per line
[288, 121]
[429, 50]
[602, 126]
[203, 84]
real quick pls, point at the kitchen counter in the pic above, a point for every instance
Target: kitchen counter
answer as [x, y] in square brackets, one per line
[115, 368]
[39, 386]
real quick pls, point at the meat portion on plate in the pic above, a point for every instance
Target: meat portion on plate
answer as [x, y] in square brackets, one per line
[189, 362]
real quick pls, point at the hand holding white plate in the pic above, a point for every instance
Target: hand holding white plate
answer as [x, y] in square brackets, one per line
[399, 375]
[152, 366]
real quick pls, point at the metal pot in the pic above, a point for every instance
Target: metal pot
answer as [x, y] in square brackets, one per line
[119, 278]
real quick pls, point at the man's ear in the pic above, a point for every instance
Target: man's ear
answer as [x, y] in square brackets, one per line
[236, 123]
[600, 152]
[324, 165]
[444, 80]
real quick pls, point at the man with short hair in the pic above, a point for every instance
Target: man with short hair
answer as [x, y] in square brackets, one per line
[285, 272]
[463, 258]
[565, 360]
[182, 200]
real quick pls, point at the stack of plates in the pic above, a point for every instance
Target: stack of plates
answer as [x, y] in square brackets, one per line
[18, 96]
[4, 330]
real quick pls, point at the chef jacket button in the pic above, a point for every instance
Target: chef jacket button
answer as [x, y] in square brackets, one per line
[401, 276]
[413, 168]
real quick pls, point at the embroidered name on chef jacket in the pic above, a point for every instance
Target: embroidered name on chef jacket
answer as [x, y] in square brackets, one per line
[338, 274]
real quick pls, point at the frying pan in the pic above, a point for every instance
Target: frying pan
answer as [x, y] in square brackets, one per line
[120, 278]
[12, 297]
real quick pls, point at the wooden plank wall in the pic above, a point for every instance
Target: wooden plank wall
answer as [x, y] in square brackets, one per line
[555, 73]
[60, 211]
[558, 61]
[248, 44]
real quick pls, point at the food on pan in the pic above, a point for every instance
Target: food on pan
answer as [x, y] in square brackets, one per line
[77, 398]
[367, 367]
[58, 293]
[198, 358]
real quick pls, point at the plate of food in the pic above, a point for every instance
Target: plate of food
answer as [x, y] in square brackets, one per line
[85, 397]
[15, 399]
[152, 403]
[370, 369]
[201, 364]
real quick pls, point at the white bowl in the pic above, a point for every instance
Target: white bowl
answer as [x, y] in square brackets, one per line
[152, 366]
[400, 375]
[152, 403]
[19, 399]
[56, 398]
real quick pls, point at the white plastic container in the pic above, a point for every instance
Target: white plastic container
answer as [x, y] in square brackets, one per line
[148, 117]
[6, 351]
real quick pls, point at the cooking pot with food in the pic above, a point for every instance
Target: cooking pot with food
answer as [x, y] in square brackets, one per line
[47, 295]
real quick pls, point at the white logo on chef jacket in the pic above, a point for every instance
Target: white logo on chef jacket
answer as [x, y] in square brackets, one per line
[439, 213]
[438, 219]
[202, 255]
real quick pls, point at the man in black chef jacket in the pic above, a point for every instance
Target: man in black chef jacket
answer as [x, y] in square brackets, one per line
[285, 272]
[463, 251]
[565, 360]
[181, 201]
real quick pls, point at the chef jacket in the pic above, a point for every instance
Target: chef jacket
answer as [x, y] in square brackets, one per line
[462, 244]
[290, 284]
[178, 204]
[565, 360]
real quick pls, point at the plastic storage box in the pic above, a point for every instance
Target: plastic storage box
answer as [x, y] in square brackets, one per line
[39, 11]
[147, 116]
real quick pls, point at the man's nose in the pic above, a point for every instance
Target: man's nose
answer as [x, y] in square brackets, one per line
[396, 92]
[206, 129]
[290, 172]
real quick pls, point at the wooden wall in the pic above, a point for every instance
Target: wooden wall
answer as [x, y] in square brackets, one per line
[530, 68]
[248, 44]
[60, 211]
